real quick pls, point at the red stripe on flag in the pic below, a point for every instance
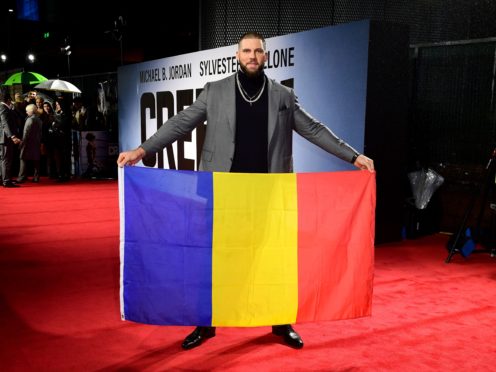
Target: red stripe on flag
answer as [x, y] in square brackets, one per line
[336, 213]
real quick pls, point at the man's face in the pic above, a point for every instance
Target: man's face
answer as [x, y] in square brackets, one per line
[251, 56]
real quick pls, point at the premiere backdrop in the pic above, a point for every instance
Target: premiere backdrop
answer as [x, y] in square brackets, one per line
[327, 67]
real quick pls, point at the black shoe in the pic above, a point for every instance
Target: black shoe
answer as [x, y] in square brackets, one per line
[20, 180]
[10, 184]
[35, 180]
[289, 335]
[196, 337]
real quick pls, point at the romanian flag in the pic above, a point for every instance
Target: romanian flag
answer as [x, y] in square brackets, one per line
[244, 249]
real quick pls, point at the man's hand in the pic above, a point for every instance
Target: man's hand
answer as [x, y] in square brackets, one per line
[364, 162]
[130, 157]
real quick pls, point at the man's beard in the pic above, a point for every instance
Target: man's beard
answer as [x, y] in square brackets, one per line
[252, 74]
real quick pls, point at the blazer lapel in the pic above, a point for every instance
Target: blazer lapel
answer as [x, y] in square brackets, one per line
[229, 97]
[274, 97]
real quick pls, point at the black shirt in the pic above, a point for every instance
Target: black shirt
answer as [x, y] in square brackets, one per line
[251, 148]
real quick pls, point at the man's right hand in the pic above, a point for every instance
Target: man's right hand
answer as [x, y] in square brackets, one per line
[130, 157]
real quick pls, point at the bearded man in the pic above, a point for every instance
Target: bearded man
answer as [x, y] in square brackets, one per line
[250, 123]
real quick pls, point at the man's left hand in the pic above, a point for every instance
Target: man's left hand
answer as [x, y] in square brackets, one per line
[364, 162]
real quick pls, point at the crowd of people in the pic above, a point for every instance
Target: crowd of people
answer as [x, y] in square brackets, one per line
[41, 136]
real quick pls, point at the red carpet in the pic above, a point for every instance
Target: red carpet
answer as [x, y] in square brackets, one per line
[59, 303]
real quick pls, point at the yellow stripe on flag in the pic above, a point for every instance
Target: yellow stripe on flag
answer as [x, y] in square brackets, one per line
[254, 253]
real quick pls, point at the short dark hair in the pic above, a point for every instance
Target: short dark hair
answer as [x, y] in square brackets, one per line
[252, 35]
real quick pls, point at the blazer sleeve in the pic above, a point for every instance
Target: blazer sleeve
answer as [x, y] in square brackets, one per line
[320, 135]
[179, 125]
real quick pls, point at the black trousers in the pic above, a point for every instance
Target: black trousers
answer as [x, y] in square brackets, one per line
[6, 159]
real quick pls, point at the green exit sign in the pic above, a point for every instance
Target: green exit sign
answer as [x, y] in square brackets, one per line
[46, 35]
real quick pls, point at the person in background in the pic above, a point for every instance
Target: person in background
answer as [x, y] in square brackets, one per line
[250, 123]
[46, 139]
[20, 104]
[30, 145]
[31, 97]
[79, 115]
[79, 124]
[20, 111]
[60, 138]
[8, 138]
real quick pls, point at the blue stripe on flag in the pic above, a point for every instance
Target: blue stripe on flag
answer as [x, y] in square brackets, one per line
[167, 257]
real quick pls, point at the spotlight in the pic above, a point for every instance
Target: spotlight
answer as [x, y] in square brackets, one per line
[3, 57]
[31, 57]
[66, 50]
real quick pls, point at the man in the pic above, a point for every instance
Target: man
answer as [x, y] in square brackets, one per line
[8, 138]
[250, 120]
[61, 141]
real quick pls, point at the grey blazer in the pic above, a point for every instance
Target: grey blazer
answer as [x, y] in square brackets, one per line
[7, 124]
[217, 105]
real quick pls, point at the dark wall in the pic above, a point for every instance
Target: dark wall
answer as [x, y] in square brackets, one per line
[222, 22]
[453, 127]
[386, 124]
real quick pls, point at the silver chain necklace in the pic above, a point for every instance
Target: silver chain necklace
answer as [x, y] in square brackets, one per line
[245, 95]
